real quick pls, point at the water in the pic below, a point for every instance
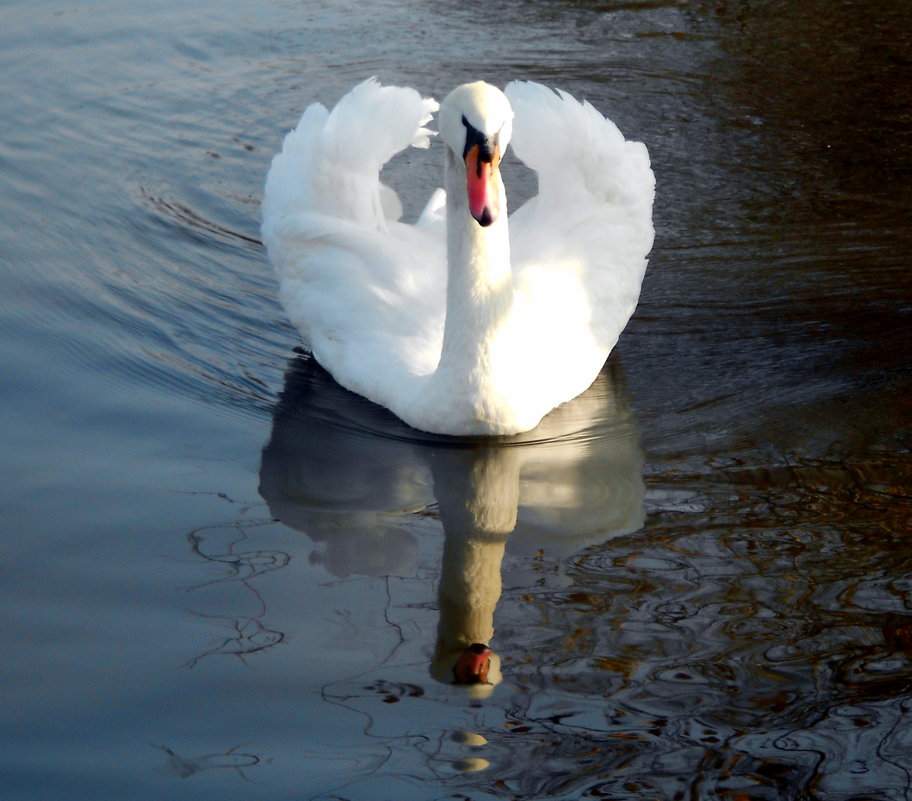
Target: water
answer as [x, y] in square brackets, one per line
[224, 577]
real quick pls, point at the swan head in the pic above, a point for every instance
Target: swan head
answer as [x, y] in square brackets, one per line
[475, 667]
[476, 123]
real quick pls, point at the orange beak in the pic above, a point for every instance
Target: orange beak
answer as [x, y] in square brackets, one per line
[481, 182]
[473, 665]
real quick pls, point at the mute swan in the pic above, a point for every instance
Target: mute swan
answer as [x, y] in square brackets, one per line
[460, 324]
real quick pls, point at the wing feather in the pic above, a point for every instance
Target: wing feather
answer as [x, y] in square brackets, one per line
[590, 226]
[350, 274]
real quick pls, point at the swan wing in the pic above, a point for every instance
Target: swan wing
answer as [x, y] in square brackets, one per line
[350, 274]
[583, 240]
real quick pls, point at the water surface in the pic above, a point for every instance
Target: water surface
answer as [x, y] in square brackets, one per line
[225, 577]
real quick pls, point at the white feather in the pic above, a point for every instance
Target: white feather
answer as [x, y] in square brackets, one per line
[526, 331]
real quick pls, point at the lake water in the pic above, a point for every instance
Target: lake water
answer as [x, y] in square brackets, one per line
[224, 577]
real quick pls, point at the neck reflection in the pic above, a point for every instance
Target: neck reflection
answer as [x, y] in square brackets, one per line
[348, 473]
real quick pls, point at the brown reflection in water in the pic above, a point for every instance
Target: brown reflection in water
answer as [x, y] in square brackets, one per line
[753, 642]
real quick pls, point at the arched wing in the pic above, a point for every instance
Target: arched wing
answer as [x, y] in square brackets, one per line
[350, 274]
[589, 229]
[330, 163]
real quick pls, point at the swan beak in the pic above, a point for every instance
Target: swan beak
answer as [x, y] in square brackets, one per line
[482, 179]
[473, 665]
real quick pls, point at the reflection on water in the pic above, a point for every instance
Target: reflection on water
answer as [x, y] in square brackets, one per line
[344, 471]
[758, 628]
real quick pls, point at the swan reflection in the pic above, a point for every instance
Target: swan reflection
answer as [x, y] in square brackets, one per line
[347, 472]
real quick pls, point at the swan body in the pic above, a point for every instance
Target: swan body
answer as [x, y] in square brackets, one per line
[468, 322]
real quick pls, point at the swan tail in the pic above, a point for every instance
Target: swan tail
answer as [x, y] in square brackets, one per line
[330, 163]
[579, 155]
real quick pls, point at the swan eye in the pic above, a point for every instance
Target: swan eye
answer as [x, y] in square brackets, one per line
[487, 145]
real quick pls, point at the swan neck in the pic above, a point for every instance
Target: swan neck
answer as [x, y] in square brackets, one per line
[479, 278]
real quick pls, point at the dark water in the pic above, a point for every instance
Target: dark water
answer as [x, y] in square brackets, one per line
[223, 577]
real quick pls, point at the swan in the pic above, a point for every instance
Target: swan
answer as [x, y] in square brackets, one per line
[470, 321]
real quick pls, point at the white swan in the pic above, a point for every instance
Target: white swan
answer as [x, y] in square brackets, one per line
[458, 324]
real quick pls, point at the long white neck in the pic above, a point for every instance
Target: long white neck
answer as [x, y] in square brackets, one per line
[479, 279]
